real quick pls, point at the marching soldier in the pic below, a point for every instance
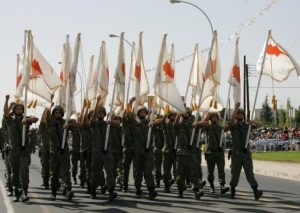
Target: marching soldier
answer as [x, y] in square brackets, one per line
[241, 156]
[214, 154]
[59, 157]
[186, 156]
[19, 156]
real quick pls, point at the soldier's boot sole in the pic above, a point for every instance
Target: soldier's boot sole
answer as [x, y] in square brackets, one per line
[112, 196]
[103, 189]
[258, 194]
[152, 195]
[70, 195]
[198, 195]
[53, 197]
[232, 193]
[203, 183]
[224, 190]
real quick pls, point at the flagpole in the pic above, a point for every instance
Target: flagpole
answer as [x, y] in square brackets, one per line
[109, 118]
[225, 115]
[28, 67]
[258, 85]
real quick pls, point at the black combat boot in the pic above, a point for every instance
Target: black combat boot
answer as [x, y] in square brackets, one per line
[112, 195]
[138, 193]
[17, 195]
[167, 189]
[10, 191]
[103, 189]
[24, 196]
[152, 193]
[125, 187]
[198, 194]
[53, 195]
[88, 189]
[172, 181]
[82, 182]
[180, 194]
[93, 193]
[188, 183]
[45, 184]
[202, 184]
[157, 183]
[75, 179]
[257, 193]
[212, 188]
[69, 194]
[224, 189]
[232, 192]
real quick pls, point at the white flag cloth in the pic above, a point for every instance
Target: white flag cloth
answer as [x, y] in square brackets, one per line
[88, 82]
[119, 96]
[104, 74]
[234, 76]
[164, 85]
[42, 79]
[212, 70]
[71, 81]
[139, 77]
[278, 62]
[65, 70]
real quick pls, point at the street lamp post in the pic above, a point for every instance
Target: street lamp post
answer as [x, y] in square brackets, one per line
[186, 2]
[116, 36]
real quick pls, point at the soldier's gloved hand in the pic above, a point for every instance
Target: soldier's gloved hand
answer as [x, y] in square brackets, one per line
[146, 150]
[220, 149]
[22, 148]
[245, 151]
[2, 154]
[84, 154]
[104, 152]
[40, 153]
[229, 154]
[62, 151]
[205, 156]
[190, 147]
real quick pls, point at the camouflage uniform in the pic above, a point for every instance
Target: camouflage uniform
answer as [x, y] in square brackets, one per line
[19, 157]
[85, 156]
[214, 155]
[75, 153]
[45, 153]
[186, 158]
[241, 157]
[59, 158]
[5, 152]
[158, 142]
[100, 160]
[143, 159]
[169, 155]
[128, 151]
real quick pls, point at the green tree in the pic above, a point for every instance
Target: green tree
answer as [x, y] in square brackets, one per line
[297, 117]
[266, 114]
[281, 118]
[287, 113]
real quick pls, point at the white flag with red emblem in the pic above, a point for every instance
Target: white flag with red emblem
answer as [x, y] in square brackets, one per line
[119, 96]
[139, 77]
[212, 70]
[164, 85]
[64, 73]
[42, 79]
[104, 74]
[278, 62]
[234, 76]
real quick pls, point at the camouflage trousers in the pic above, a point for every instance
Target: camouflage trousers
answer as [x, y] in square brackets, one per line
[239, 160]
[75, 158]
[186, 167]
[169, 161]
[157, 160]
[143, 166]
[128, 155]
[100, 161]
[19, 162]
[45, 162]
[213, 159]
[60, 168]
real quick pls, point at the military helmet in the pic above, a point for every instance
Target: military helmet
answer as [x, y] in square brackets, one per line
[18, 105]
[188, 110]
[102, 109]
[58, 108]
[140, 108]
[171, 113]
[213, 114]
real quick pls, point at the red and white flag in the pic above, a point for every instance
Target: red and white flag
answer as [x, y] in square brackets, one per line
[42, 79]
[139, 77]
[119, 96]
[164, 85]
[104, 74]
[278, 63]
[234, 76]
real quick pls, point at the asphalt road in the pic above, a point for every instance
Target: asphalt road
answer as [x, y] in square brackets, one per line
[279, 196]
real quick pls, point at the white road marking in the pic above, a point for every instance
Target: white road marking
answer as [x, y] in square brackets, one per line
[7, 203]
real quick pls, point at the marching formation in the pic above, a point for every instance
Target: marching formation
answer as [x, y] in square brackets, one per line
[161, 143]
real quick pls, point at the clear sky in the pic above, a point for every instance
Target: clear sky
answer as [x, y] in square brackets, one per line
[51, 20]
